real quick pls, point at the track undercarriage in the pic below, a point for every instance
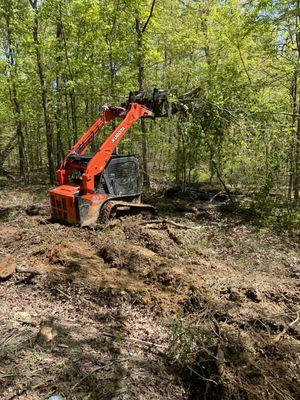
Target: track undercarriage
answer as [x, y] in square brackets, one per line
[118, 208]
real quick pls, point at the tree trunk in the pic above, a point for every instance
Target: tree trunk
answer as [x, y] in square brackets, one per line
[19, 131]
[140, 30]
[58, 113]
[112, 74]
[14, 95]
[178, 157]
[39, 156]
[293, 94]
[296, 182]
[141, 81]
[44, 94]
[72, 94]
[59, 143]
[68, 120]
[211, 165]
[73, 102]
[7, 149]
[297, 156]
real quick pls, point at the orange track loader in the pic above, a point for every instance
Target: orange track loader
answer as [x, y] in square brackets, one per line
[96, 187]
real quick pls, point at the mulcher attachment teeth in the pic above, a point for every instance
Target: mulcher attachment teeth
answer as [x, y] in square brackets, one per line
[155, 100]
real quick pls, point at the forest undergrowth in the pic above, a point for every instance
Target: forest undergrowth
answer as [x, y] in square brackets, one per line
[199, 303]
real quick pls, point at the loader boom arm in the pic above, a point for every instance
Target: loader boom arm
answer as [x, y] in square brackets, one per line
[102, 157]
[109, 113]
[99, 161]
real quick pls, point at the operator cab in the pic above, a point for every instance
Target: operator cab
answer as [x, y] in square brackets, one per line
[121, 178]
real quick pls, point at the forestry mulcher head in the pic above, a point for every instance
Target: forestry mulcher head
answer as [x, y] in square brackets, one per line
[155, 100]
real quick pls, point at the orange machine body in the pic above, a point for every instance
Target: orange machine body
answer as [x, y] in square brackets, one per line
[68, 207]
[63, 207]
[80, 203]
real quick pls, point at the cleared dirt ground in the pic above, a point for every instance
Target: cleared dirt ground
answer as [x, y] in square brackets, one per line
[139, 310]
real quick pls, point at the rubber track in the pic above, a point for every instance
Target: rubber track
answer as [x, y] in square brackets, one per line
[109, 206]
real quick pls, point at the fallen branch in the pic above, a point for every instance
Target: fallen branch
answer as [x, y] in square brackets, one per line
[64, 293]
[167, 221]
[111, 362]
[6, 337]
[278, 337]
[216, 195]
[29, 271]
[202, 377]
[89, 302]
[141, 341]
[173, 237]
